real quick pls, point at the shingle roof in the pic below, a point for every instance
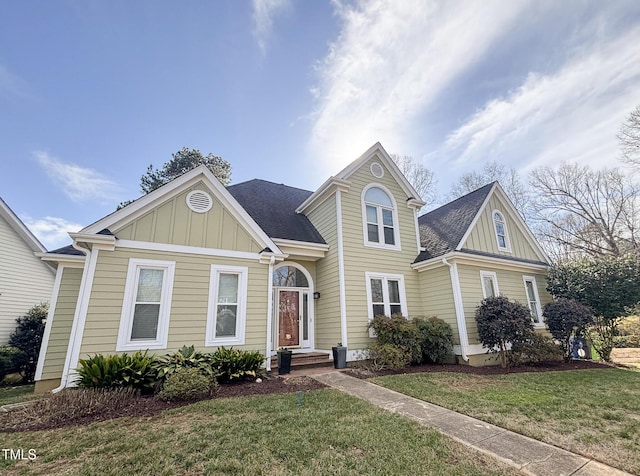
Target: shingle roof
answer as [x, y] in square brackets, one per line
[66, 250]
[273, 207]
[442, 229]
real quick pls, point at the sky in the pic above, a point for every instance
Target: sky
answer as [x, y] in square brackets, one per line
[93, 92]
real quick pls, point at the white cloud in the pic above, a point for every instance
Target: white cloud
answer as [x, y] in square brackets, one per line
[51, 231]
[78, 183]
[264, 12]
[390, 61]
[571, 114]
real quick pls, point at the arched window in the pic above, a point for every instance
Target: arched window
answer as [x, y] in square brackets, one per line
[289, 277]
[502, 236]
[380, 219]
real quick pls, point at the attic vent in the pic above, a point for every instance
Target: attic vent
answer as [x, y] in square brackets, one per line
[376, 170]
[199, 201]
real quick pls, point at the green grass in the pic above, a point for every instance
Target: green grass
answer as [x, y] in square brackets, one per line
[592, 412]
[330, 433]
[21, 393]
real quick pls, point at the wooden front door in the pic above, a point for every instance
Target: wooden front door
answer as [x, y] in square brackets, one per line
[288, 318]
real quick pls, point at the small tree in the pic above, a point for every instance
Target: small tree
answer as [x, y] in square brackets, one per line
[28, 337]
[565, 319]
[501, 321]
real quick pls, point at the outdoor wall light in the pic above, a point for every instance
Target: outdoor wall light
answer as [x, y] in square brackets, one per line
[316, 295]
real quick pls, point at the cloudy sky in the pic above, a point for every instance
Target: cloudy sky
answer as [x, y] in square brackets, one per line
[93, 92]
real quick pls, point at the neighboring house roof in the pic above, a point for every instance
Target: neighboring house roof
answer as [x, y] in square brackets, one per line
[273, 207]
[442, 229]
[20, 228]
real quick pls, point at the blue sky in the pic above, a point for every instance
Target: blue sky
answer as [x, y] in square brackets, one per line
[92, 92]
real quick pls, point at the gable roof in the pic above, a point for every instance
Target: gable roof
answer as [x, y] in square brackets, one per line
[20, 228]
[442, 230]
[273, 207]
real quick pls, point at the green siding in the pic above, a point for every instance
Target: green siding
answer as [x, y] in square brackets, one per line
[188, 318]
[483, 235]
[62, 322]
[437, 297]
[174, 223]
[359, 259]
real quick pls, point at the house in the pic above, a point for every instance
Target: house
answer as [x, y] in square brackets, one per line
[260, 265]
[25, 280]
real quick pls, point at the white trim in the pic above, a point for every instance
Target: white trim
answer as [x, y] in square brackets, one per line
[379, 167]
[332, 184]
[532, 279]
[396, 222]
[267, 353]
[503, 221]
[202, 193]
[150, 246]
[341, 277]
[49, 323]
[477, 217]
[70, 261]
[302, 249]
[124, 342]
[241, 312]
[494, 278]
[461, 256]
[20, 228]
[459, 307]
[386, 277]
[417, 226]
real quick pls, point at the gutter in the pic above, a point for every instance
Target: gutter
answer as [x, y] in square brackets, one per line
[457, 300]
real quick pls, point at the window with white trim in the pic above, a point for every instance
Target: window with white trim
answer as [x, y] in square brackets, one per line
[226, 316]
[385, 295]
[380, 219]
[144, 322]
[500, 227]
[489, 282]
[533, 299]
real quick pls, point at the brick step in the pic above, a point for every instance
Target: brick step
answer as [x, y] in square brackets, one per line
[307, 361]
[625, 355]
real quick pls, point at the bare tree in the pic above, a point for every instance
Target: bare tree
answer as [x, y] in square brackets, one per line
[419, 176]
[508, 178]
[629, 137]
[583, 211]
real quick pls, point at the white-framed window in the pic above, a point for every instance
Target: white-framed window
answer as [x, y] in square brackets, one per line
[385, 294]
[380, 218]
[533, 299]
[226, 316]
[502, 234]
[144, 322]
[489, 282]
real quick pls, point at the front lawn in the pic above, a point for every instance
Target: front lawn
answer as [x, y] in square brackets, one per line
[592, 412]
[330, 433]
[17, 394]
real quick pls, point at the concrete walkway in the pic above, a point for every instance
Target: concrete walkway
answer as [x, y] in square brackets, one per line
[528, 455]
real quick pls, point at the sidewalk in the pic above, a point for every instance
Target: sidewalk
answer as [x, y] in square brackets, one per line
[528, 455]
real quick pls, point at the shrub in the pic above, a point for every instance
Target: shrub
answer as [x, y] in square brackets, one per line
[28, 337]
[537, 348]
[235, 365]
[400, 333]
[565, 319]
[387, 357]
[11, 358]
[501, 321]
[630, 341]
[187, 383]
[436, 339]
[186, 357]
[114, 371]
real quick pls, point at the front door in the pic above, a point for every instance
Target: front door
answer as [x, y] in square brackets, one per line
[289, 317]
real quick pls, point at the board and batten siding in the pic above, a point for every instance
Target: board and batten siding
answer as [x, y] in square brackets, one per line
[360, 259]
[189, 304]
[437, 297]
[62, 323]
[510, 285]
[327, 308]
[483, 236]
[174, 223]
[25, 280]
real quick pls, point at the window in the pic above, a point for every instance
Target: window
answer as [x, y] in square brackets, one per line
[385, 295]
[533, 300]
[489, 282]
[502, 236]
[227, 305]
[144, 322]
[380, 219]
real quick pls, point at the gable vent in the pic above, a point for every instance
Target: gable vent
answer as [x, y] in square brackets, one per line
[376, 170]
[199, 201]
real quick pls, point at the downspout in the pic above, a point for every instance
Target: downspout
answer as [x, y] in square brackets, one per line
[74, 329]
[457, 300]
[267, 363]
